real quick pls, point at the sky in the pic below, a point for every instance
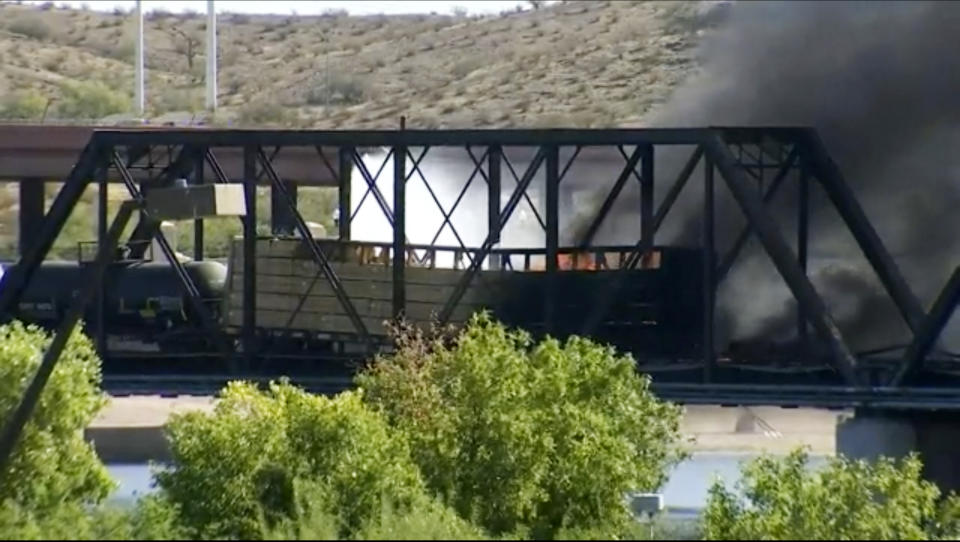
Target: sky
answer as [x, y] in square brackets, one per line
[301, 7]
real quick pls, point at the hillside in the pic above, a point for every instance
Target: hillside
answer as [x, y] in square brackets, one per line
[591, 63]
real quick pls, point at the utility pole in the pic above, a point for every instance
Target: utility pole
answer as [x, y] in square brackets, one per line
[211, 57]
[138, 97]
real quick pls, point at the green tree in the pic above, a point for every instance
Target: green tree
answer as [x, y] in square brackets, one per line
[52, 465]
[526, 438]
[241, 470]
[782, 499]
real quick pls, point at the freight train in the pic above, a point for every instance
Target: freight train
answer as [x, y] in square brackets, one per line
[150, 326]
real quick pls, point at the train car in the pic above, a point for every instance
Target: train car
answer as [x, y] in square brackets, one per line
[146, 313]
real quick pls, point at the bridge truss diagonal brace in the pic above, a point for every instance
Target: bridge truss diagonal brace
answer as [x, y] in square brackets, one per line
[831, 179]
[779, 251]
[930, 329]
[307, 237]
[17, 420]
[606, 296]
[492, 236]
[15, 282]
[193, 293]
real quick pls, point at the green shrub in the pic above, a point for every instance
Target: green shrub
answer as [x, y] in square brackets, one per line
[779, 499]
[23, 105]
[521, 437]
[52, 465]
[90, 100]
[238, 471]
[30, 26]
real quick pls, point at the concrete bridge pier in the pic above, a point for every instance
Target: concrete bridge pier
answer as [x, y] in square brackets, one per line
[935, 436]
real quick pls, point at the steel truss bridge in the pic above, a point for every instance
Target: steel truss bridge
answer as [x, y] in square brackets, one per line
[738, 159]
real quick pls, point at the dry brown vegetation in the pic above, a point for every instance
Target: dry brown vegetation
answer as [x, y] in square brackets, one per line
[592, 63]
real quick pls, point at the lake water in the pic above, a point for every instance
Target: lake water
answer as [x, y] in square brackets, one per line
[684, 494]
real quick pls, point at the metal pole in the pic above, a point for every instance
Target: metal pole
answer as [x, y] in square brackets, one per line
[211, 57]
[399, 229]
[249, 253]
[14, 427]
[198, 223]
[138, 83]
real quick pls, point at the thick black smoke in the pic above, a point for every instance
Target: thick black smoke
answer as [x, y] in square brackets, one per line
[881, 83]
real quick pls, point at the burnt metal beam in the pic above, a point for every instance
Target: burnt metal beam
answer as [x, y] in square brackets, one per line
[730, 257]
[14, 282]
[926, 337]
[18, 418]
[318, 256]
[399, 230]
[553, 236]
[30, 216]
[611, 198]
[505, 214]
[831, 179]
[709, 262]
[779, 251]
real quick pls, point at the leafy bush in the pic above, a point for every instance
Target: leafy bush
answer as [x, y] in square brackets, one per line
[90, 100]
[238, 471]
[52, 465]
[23, 105]
[30, 26]
[150, 519]
[337, 89]
[260, 114]
[779, 499]
[521, 437]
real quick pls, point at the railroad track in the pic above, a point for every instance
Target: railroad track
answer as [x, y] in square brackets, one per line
[834, 397]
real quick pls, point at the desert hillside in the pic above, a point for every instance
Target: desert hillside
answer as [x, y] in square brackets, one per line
[592, 63]
[570, 64]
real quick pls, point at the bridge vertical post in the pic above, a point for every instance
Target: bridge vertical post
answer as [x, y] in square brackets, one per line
[494, 157]
[345, 156]
[32, 209]
[709, 265]
[198, 222]
[281, 217]
[249, 253]
[103, 203]
[803, 228]
[399, 229]
[553, 235]
[646, 197]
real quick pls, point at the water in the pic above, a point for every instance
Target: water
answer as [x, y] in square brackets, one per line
[684, 494]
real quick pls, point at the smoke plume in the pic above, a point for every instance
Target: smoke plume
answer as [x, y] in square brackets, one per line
[880, 83]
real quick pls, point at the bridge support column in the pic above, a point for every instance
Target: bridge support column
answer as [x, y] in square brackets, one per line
[32, 209]
[934, 436]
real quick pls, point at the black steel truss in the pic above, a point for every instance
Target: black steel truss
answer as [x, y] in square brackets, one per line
[743, 157]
